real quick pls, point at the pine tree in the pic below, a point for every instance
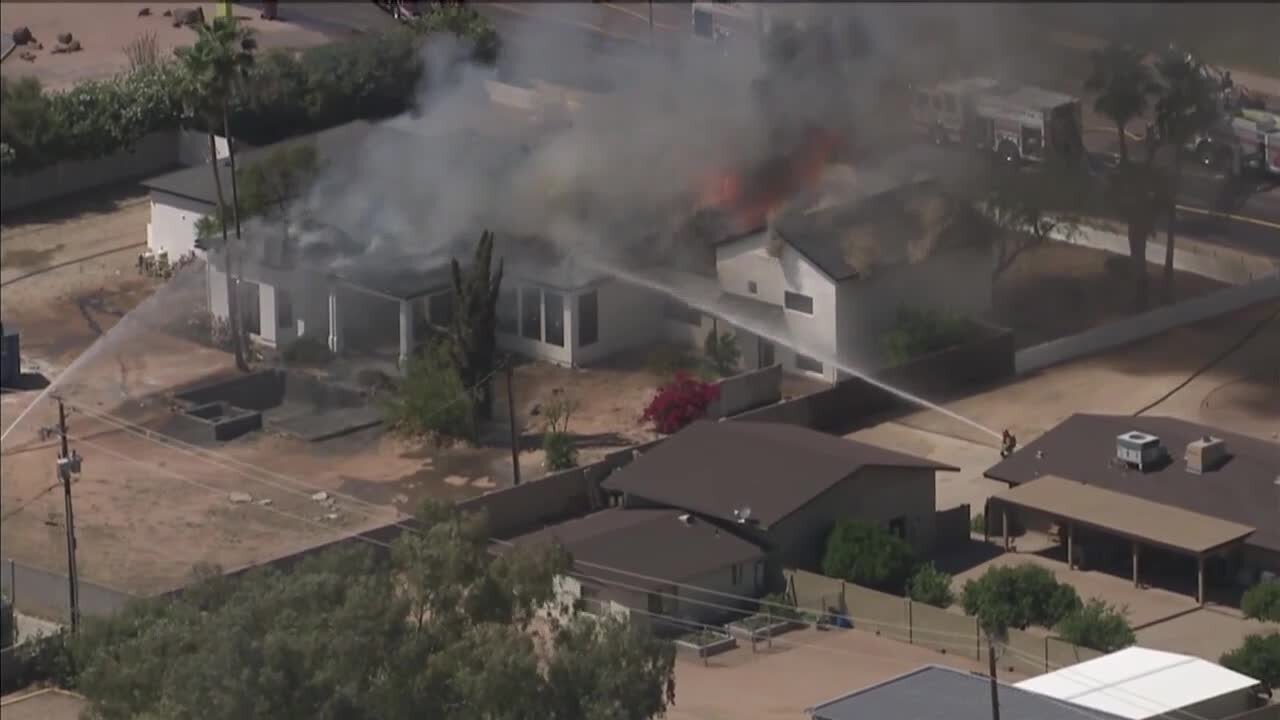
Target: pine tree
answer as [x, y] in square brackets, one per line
[472, 341]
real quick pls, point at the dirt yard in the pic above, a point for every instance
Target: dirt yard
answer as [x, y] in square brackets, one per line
[105, 29]
[1055, 290]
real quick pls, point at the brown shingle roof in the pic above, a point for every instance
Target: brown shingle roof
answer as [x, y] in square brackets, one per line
[652, 543]
[1083, 447]
[713, 468]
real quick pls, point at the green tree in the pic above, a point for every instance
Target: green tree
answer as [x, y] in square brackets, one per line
[1262, 602]
[472, 331]
[1097, 625]
[1186, 108]
[722, 352]
[214, 65]
[1258, 657]
[1018, 596]
[463, 22]
[268, 186]
[919, 331]
[868, 555]
[1124, 84]
[1030, 206]
[931, 586]
[431, 397]
[442, 629]
[561, 454]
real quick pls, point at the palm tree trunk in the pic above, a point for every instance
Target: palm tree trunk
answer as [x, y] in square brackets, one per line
[1124, 143]
[233, 299]
[1167, 288]
[235, 201]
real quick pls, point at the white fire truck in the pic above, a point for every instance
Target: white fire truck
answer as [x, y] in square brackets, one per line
[1249, 139]
[1017, 123]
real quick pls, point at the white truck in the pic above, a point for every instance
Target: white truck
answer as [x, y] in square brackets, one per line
[1018, 123]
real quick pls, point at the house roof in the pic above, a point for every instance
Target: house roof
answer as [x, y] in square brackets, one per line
[939, 693]
[1126, 515]
[1138, 683]
[714, 468]
[644, 542]
[46, 704]
[1083, 448]
[196, 182]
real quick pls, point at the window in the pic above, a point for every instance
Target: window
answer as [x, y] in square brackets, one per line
[588, 318]
[752, 287]
[508, 312]
[440, 309]
[798, 303]
[284, 310]
[682, 313]
[555, 318]
[655, 603]
[808, 364]
[735, 573]
[531, 314]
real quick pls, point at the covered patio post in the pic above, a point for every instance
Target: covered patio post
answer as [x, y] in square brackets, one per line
[1200, 580]
[1135, 564]
[1071, 546]
[406, 333]
[335, 331]
[1004, 527]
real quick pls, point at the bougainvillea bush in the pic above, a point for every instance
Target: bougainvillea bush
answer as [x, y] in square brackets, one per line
[680, 402]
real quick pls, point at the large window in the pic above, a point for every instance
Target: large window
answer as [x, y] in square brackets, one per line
[808, 364]
[799, 303]
[555, 318]
[284, 310]
[440, 309]
[588, 318]
[679, 312]
[531, 313]
[508, 311]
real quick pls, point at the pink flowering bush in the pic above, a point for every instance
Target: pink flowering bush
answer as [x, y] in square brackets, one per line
[680, 402]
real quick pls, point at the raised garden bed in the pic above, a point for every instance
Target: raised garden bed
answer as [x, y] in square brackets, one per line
[705, 643]
[758, 627]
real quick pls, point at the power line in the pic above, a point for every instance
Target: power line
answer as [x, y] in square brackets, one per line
[28, 503]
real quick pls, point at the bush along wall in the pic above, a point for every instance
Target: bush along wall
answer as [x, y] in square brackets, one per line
[287, 93]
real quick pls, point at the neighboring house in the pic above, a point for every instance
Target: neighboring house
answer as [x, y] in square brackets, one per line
[1141, 684]
[838, 273]
[650, 564]
[783, 486]
[940, 693]
[1119, 487]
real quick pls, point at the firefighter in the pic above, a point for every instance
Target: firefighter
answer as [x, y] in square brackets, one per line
[1008, 443]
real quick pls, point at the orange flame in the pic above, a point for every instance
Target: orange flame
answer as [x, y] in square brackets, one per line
[751, 204]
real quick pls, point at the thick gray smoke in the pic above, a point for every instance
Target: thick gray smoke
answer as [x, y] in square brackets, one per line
[622, 171]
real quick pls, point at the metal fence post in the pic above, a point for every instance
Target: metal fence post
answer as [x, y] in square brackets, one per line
[911, 631]
[1046, 653]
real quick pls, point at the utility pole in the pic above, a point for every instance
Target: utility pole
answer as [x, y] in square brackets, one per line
[68, 465]
[995, 686]
[511, 417]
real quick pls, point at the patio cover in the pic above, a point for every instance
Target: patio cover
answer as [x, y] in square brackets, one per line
[1126, 515]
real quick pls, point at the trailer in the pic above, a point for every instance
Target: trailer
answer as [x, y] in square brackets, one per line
[1018, 123]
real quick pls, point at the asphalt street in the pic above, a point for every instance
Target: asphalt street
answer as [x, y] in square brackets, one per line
[1241, 215]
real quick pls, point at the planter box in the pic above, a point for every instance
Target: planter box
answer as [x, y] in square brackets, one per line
[773, 629]
[703, 652]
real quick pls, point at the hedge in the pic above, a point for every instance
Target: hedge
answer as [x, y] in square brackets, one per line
[288, 93]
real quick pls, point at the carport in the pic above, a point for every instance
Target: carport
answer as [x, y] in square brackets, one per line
[1142, 522]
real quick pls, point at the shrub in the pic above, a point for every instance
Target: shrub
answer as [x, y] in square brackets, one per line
[666, 361]
[919, 332]
[561, 454]
[722, 352]
[978, 523]
[931, 586]
[1018, 596]
[1258, 657]
[779, 606]
[307, 350]
[7, 625]
[45, 659]
[679, 403]
[1097, 625]
[1262, 602]
[431, 397]
[868, 555]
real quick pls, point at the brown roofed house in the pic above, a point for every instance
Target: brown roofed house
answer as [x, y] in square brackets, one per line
[1160, 482]
[783, 486]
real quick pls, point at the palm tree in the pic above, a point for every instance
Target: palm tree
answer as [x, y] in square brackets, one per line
[1123, 84]
[1186, 108]
[213, 67]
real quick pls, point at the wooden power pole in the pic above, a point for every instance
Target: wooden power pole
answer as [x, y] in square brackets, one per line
[68, 465]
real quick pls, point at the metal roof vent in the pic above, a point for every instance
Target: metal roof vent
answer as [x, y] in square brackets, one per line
[686, 518]
[742, 515]
[1139, 449]
[1206, 454]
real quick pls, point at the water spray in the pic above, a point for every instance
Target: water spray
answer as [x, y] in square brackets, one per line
[708, 307]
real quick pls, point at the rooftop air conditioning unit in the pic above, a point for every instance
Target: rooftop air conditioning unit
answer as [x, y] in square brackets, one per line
[1139, 449]
[1205, 454]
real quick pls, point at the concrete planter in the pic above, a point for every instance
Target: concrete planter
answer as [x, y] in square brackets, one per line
[704, 650]
[747, 630]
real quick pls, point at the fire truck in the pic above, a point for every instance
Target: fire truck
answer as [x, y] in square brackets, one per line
[1016, 123]
[1246, 140]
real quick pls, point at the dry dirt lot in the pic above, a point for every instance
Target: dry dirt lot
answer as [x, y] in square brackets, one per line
[804, 668]
[104, 29]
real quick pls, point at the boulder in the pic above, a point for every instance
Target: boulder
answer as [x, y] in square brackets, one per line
[240, 498]
[145, 12]
[22, 36]
[65, 38]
